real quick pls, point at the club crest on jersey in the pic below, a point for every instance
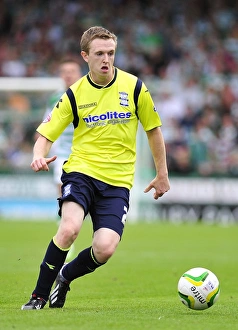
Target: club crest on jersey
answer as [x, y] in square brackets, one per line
[123, 97]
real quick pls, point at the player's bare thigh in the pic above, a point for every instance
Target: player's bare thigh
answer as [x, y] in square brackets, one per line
[70, 224]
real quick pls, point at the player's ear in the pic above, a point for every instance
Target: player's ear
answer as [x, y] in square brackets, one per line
[84, 55]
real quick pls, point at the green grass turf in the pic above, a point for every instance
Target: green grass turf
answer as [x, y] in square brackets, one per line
[136, 290]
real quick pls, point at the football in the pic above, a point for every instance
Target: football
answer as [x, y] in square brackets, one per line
[198, 288]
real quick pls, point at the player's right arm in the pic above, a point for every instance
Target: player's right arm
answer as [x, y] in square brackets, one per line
[40, 151]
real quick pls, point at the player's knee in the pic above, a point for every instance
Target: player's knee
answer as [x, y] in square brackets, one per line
[70, 233]
[103, 250]
[67, 233]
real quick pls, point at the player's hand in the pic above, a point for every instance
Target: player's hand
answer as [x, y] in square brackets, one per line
[41, 164]
[161, 186]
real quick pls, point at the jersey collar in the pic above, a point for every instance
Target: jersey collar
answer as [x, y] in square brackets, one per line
[99, 86]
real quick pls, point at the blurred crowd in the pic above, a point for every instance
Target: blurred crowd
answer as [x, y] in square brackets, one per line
[186, 51]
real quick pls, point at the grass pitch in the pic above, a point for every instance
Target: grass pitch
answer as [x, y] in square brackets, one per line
[136, 290]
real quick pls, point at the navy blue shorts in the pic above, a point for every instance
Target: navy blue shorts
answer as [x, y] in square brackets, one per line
[107, 205]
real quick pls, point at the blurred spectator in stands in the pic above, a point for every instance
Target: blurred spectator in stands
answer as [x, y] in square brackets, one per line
[227, 143]
[13, 66]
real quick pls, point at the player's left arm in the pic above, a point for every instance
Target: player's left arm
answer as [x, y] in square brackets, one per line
[151, 123]
[161, 181]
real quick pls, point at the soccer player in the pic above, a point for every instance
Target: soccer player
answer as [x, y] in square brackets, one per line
[105, 107]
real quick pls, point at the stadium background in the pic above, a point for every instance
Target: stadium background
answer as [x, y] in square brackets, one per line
[187, 54]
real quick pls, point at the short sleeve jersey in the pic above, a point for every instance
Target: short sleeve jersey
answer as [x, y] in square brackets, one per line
[106, 120]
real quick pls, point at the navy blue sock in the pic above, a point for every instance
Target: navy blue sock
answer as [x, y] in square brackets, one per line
[51, 265]
[83, 264]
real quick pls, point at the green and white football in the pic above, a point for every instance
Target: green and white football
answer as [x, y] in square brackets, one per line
[198, 288]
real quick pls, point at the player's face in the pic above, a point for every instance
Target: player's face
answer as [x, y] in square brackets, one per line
[100, 60]
[70, 73]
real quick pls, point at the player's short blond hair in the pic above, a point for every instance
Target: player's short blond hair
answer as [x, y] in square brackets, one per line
[93, 33]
